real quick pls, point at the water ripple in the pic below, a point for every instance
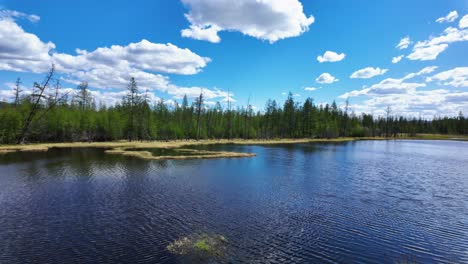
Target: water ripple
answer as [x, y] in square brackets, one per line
[359, 202]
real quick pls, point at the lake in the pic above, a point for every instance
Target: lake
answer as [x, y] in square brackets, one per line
[355, 202]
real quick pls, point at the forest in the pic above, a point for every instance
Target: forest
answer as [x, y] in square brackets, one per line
[45, 114]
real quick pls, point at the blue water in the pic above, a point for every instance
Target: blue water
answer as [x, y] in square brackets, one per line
[356, 202]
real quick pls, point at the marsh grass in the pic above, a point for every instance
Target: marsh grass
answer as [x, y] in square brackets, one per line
[185, 154]
[441, 137]
[199, 246]
[141, 149]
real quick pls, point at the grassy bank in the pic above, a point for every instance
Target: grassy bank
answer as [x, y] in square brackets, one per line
[440, 137]
[122, 147]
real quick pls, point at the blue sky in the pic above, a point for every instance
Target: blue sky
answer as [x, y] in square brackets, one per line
[255, 49]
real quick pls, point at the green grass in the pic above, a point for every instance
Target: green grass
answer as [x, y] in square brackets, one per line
[202, 244]
[441, 137]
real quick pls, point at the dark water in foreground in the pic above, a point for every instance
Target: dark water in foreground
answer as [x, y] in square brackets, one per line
[358, 202]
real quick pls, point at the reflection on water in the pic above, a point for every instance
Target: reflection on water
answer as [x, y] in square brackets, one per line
[369, 201]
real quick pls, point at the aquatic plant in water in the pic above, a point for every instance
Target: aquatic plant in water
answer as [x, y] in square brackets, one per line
[204, 246]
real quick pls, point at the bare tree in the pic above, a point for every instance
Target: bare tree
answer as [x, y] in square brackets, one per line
[54, 99]
[346, 118]
[84, 98]
[229, 125]
[17, 91]
[388, 113]
[199, 105]
[37, 95]
[247, 115]
[133, 101]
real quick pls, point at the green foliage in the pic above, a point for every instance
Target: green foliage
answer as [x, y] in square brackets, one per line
[203, 245]
[136, 118]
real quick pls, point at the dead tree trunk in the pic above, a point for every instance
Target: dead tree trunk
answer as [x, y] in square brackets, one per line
[36, 96]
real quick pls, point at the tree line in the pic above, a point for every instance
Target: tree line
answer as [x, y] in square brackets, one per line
[48, 115]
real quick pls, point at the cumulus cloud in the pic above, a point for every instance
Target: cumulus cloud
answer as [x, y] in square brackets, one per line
[425, 53]
[270, 20]
[326, 78]
[105, 67]
[392, 85]
[457, 77]
[11, 15]
[459, 97]
[311, 89]
[463, 22]
[367, 73]
[404, 43]
[331, 56]
[406, 98]
[439, 102]
[387, 86]
[452, 16]
[7, 94]
[193, 92]
[22, 51]
[208, 33]
[431, 48]
[424, 71]
[397, 59]
[144, 55]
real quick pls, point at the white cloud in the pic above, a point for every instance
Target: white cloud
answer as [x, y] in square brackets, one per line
[107, 77]
[194, 92]
[311, 89]
[463, 22]
[405, 98]
[108, 97]
[270, 20]
[427, 104]
[397, 59]
[424, 71]
[367, 73]
[431, 48]
[22, 51]
[105, 67]
[354, 93]
[326, 78]
[460, 97]
[208, 33]
[448, 18]
[7, 94]
[331, 56]
[450, 35]
[144, 55]
[392, 85]
[11, 15]
[427, 52]
[404, 43]
[457, 77]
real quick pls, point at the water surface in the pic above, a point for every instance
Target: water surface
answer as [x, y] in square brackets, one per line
[356, 202]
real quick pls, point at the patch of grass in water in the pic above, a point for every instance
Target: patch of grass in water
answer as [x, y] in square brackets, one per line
[204, 246]
[177, 153]
[166, 151]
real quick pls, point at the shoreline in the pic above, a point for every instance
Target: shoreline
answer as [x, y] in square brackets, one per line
[121, 147]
